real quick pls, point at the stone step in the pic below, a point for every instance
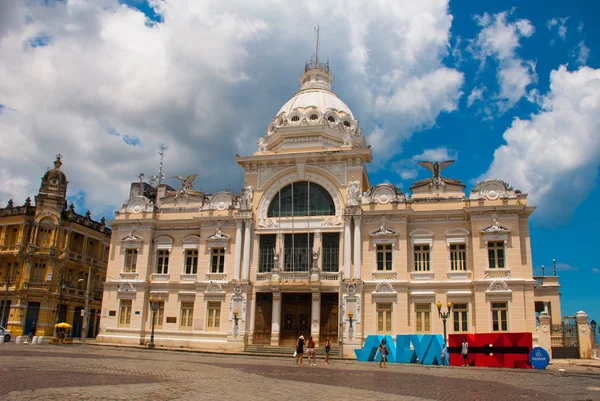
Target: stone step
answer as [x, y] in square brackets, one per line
[285, 350]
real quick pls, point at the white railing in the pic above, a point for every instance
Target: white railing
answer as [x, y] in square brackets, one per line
[263, 276]
[384, 276]
[329, 276]
[215, 277]
[497, 273]
[160, 277]
[187, 277]
[294, 276]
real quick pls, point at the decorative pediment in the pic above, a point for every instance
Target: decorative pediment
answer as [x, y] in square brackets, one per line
[383, 230]
[457, 235]
[137, 205]
[493, 189]
[221, 201]
[191, 242]
[163, 242]
[495, 228]
[384, 288]
[421, 236]
[498, 286]
[132, 237]
[126, 287]
[383, 194]
[218, 239]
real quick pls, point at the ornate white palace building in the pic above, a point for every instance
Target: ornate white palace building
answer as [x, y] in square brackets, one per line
[311, 247]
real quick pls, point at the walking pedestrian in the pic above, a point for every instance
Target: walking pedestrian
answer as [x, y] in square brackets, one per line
[299, 350]
[465, 352]
[383, 351]
[310, 350]
[327, 349]
[32, 331]
[444, 354]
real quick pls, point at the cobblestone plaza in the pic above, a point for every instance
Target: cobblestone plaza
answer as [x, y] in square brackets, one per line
[93, 372]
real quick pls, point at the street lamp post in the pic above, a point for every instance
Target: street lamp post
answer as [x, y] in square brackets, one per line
[444, 315]
[60, 297]
[86, 319]
[4, 315]
[154, 305]
[350, 328]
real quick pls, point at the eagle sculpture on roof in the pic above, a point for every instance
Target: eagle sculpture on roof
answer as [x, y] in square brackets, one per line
[188, 182]
[436, 168]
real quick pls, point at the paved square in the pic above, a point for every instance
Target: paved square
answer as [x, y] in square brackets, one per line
[88, 372]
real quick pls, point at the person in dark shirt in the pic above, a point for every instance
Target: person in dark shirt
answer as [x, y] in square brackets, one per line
[300, 350]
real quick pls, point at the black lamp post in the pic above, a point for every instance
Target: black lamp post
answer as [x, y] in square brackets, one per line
[350, 329]
[444, 315]
[154, 305]
[593, 327]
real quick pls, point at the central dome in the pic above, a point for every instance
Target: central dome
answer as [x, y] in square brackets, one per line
[316, 93]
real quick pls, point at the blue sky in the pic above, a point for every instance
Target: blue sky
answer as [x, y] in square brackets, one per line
[511, 90]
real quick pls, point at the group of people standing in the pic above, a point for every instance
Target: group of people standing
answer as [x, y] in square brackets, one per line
[310, 351]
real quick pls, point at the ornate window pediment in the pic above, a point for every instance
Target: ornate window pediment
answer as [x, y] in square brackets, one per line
[457, 235]
[383, 235]
[495, 232]
[164, 242]
[421, 236]
[132, 240]
[218, 240]
[191, 242]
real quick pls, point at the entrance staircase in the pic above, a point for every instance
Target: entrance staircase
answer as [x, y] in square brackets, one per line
[287, 350]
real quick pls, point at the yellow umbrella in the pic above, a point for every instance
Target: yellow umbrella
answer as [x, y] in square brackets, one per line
[64, 325]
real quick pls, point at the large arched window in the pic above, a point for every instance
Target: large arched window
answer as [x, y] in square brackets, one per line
[302, 199]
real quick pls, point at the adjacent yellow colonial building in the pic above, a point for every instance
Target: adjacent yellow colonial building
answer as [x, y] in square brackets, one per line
[311, 247]
[49, 257]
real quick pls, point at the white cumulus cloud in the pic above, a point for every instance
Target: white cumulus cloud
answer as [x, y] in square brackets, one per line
[499, 39]
[554, 155]
[105, 87]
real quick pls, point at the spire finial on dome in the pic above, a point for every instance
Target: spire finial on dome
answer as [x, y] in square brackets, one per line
[58, 162]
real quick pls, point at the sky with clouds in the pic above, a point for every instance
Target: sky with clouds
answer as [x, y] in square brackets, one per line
[508, 90]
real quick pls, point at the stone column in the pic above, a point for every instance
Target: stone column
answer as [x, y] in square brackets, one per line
[237, 261]
[275, 318]
[544, 332]
[315, 312]
[357, 248]
[247, 247]
[347, 246]
[585, 338]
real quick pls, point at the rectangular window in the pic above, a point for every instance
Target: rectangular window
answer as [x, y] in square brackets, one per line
[162, 261]
[499, 316]
[496, 254]
[331, 252]
[12, 236]
[213, 316]
[460, 312]
[384, 257]
[125, 313]
[217, 260]
[423, 320]
[266, 252]
[38, 273]
[384, 318]
[130, 261]
[187, 315]
[298, 252]
[191, 261]
[44, 235]
[160, 316]
[422, 258]
[458, 257]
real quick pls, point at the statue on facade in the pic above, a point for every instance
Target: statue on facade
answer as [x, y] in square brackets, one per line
[436, 168]
[187, 184]
[262, 145]
[353, 193]
[246, 198]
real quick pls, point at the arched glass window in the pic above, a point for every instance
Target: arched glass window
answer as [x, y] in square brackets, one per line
[302, 199]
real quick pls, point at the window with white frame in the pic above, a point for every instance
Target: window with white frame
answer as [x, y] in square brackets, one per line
[130, 261]
[213, 316]
[499, 316]
[458, 257]
[384, 318]
[217, 260]
[461, 314]
[160, 315]
[125, 313]
[187, 316]
[384, 257]
[423, 318]
[162, 261]
[496, 254]
[422, 258]
[191, 261]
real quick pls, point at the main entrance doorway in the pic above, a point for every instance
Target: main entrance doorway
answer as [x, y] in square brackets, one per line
[262, 322]
[295, 317]
[329, 318]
